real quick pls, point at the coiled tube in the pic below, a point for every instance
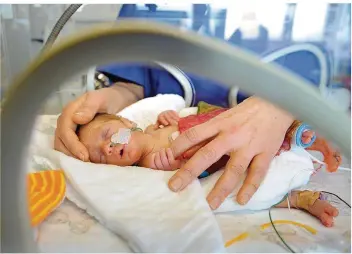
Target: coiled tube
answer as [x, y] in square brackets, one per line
[59, 25]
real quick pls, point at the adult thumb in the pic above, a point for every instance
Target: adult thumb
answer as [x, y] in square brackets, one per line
[88, 109]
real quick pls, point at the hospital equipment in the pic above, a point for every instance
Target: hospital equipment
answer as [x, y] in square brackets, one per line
[190, 51]
[59, 25]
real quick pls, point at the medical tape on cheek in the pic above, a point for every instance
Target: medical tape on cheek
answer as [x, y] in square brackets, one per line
[306, 199]
[121, 137]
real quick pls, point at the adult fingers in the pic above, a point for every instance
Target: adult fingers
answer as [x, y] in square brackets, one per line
[256, 174]
[66, 133]
[190, 152]
[204, 158]
[174, 164]
[194, 136]
[72, 143]
[89, 107]
[234, 170]
[59, 146]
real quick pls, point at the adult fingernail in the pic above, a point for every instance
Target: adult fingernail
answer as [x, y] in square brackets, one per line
[81, 156]
[215, 203]
[243, 199]
[176, 184]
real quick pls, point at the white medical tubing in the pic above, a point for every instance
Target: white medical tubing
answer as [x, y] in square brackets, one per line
[140, 41]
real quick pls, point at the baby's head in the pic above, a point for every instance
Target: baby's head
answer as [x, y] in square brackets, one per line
[96, 136]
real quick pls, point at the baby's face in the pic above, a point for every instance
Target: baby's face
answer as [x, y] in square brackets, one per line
[96, 136]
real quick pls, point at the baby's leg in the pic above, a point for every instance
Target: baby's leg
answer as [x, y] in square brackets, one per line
[310, 201]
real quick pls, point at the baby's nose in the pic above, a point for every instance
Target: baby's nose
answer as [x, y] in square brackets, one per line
[107, 149]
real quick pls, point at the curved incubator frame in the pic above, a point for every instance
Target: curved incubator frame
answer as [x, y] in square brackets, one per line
[140, 42]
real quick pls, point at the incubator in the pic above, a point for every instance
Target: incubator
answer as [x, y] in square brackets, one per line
[196, 52]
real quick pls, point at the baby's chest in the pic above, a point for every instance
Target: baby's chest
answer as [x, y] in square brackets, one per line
[166, 136]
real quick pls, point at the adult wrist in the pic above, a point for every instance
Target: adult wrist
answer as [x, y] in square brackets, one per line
[110, 98]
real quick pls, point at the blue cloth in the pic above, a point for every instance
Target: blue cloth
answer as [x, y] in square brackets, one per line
[158, 81]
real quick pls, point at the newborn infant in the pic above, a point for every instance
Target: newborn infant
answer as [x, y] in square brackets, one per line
[151, 149]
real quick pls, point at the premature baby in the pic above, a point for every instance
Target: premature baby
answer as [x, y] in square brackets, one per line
[116, 140]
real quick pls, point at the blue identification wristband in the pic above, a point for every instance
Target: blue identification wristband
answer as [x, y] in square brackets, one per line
[298, 136]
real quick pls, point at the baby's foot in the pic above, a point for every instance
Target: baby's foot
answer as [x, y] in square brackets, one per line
[307, 137]
[324, 211]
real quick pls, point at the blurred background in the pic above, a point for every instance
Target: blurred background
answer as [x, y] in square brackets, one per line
[258, 27]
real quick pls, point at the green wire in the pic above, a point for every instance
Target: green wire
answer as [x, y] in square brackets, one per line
[136, 129]
[337, 197]
[278, 234]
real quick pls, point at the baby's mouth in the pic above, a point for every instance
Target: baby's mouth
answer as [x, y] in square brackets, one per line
[122, 151]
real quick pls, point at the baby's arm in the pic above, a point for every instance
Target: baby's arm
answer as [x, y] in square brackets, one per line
[161, 160]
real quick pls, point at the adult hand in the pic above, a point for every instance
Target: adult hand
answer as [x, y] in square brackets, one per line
[82, 111]
[251, 133]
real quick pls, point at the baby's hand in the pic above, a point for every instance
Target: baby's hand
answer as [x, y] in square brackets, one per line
[168, 117]
[165, 160]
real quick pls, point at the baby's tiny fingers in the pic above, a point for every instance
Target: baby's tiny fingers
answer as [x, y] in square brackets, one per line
[171, 120]
[163, 120]
[157, 161]
[170, 155]
[164, 159]
[174, 116]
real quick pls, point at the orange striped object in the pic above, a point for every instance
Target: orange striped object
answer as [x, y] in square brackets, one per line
[45, 192]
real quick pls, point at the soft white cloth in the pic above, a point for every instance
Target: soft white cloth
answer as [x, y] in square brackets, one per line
[136, 202]
[146, 111]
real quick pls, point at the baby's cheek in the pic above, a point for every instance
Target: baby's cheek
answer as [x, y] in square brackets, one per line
[135, 154]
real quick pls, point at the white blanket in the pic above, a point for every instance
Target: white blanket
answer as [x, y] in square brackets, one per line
[136, 204]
